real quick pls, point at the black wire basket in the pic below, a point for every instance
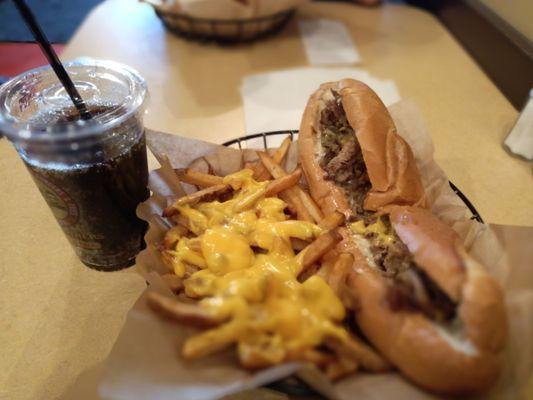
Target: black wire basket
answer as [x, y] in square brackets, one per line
[223, 32]
[273, 139]
[293, 385]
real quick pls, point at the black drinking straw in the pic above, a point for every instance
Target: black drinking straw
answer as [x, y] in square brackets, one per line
[51, 55]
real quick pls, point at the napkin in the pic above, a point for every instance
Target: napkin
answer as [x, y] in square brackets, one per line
[327, 42]
[520, 140]
[275, 100]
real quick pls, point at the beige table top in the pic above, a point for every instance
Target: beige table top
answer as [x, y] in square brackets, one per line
[60, 319]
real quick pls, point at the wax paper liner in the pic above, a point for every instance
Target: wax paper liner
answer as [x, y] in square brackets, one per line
[145, 361]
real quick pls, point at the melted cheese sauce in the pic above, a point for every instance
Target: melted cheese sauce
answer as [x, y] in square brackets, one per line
[248, 275]
[383, 232]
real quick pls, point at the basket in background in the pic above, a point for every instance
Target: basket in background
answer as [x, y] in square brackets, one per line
[221, 31]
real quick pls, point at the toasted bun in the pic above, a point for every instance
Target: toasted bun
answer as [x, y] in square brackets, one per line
[432, 243]
[460, 358]
[389, 160]
[328, 196]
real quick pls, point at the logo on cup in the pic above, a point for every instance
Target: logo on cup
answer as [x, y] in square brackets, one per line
[63, 206]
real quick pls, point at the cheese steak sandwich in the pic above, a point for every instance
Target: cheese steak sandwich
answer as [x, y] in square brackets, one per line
[418, 297]
[354, 161]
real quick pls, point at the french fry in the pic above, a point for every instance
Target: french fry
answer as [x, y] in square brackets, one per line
[190, 314]
[283, 183]
[190, 257]
[314, 356]
[289, 195]
[282, 150]
[168, 260]
[299, 244]
[274, 168]
[332, 221]
[317, 357]
[309, 272]
[290, 207]
[263, 352]
[173, 235]
[340, 368]
[280, 246]
[183, 266]
[183, 298]
[355, 349]
[250, 165]
[249, 200]
[304, 200]
[181, 220]
[195, 245]
[194, 198]
[294, 205]
[256, 358]
[337, 276]
[190, 269]
[201, 179]
[320, 246]
[174, 282]
[261, 173]
[310, 205]
[211, 341]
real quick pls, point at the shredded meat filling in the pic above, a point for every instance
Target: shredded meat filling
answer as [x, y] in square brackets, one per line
[343, 160]
[392, 258]
[410, 288]
[414, 290]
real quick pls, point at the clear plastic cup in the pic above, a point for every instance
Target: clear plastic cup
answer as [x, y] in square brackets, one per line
[93, 173]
